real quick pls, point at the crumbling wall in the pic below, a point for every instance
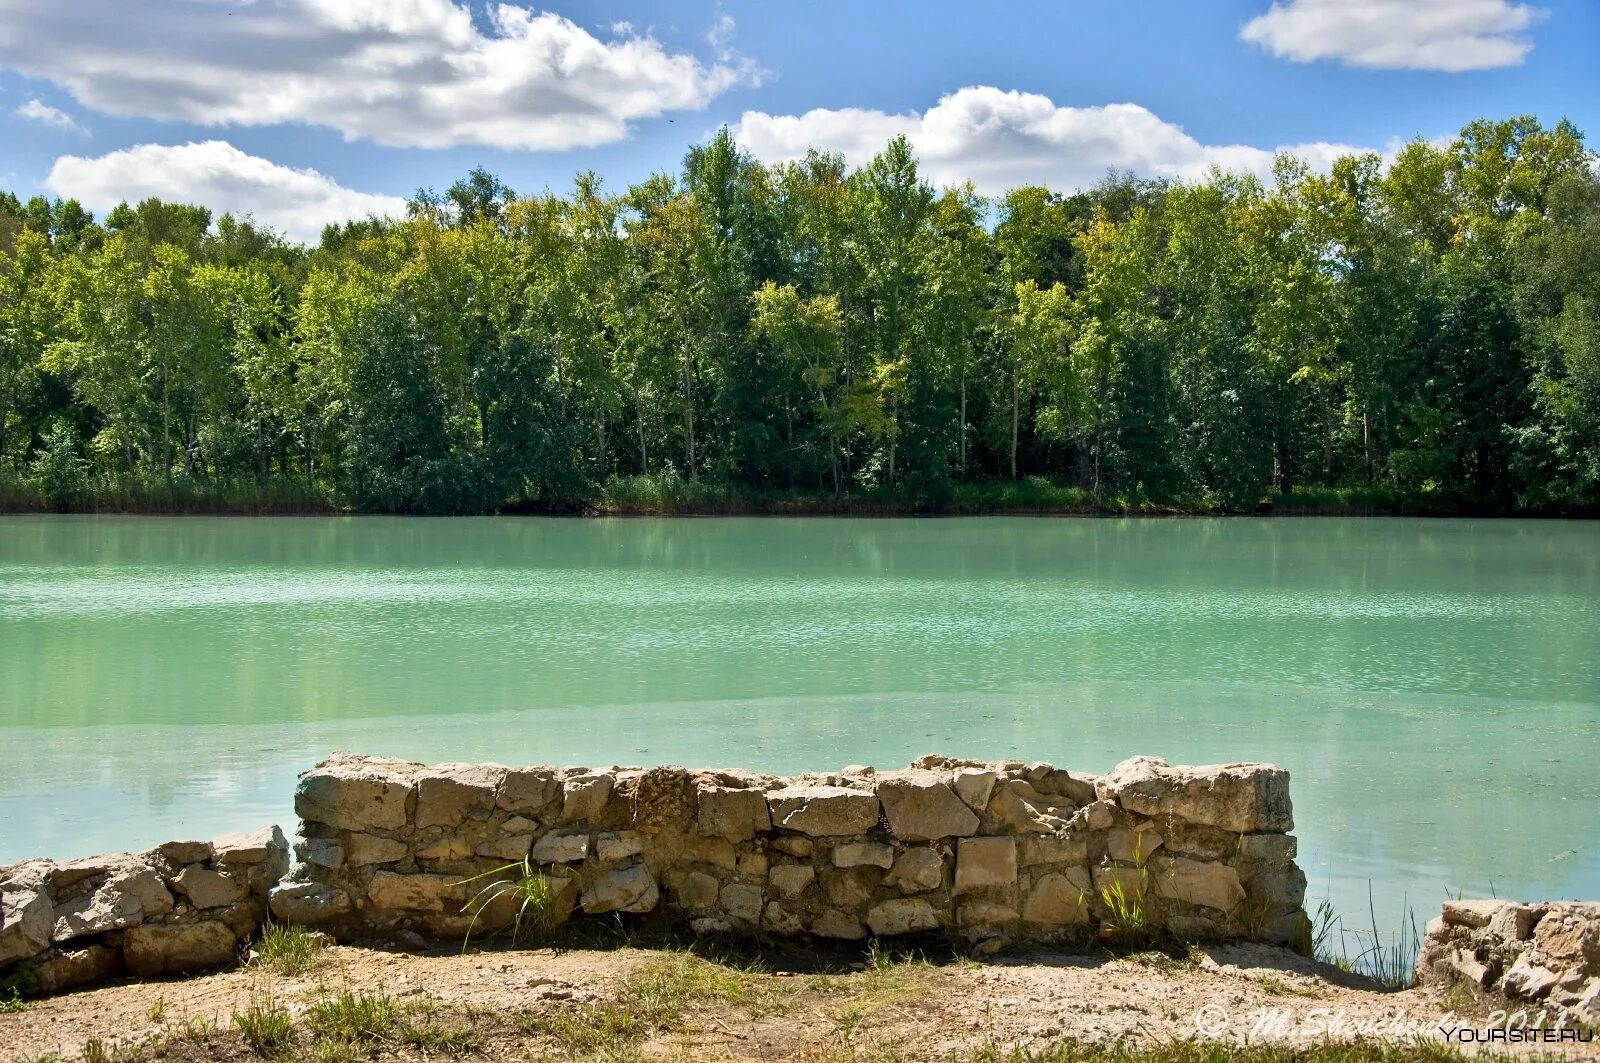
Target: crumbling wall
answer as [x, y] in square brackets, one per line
[992, 850]
[1536, 957]
[182, 906]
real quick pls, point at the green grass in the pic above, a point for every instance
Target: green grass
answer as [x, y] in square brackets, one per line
[265, 1027]
[353, 1018]
[11, 1001]
[1388, 956]
[539, 909]
[288, 950]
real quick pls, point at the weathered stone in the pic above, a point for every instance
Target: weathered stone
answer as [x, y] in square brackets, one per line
[449, 794]
[1266, 848]
[1059, 899]
[128, 896]
[1022, 810]
[618, 846]
[584, 797]
[974, 786]
[308, 903]
[26, 918]
[696, 889]
[208, 889]
[732, 814]
[916, 871]
[1570, 935]
[904, 915]
[710, 924]
[718, 852]
[1210, 885]
[1078, 789]
[1098, 815]
[793, 845]
[1468, 967]
[1131, 882]
[1283, 885]
[985, 915]
[528, 791]
[364, 849]
[1528, 980]
[1244, 798]
[355, 793]
[65, 875]
[985, 862]
[561, 849]
[1036, 849]
[450, 847]
[1515, 922]
[416, 893]
[920, 807]
[790, 880]
[181, 853]
[67, 970]
[1471, 913]
[832, 923]
[753, 864]
[324, 852]
[260, 845]
[663, 800]
[1182, 838]
[1132, 846]
[154, 949]
[506, 846]
[863, 854]
[780, 920]
[627, 889]
[741, 901]
[823, 811]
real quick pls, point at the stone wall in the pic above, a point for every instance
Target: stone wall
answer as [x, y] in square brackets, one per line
[1533, 956]
[992, 850]
[182, 906]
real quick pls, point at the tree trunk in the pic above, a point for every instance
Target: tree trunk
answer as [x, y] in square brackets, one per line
[1016, 389]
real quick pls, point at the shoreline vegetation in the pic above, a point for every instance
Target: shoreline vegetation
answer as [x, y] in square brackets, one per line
[1413, 335]
[671, 496]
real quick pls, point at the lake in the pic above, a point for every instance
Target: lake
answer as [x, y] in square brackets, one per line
[1433, 685]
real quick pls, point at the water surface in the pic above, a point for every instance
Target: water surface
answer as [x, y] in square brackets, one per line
[1433, 686]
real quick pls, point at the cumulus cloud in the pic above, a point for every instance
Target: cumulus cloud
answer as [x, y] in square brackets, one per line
[1448, 35]
[408, 73]
[1001, 140]
[39, 111]
[215, 174]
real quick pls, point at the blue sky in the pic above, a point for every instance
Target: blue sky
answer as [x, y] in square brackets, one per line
[230, 102]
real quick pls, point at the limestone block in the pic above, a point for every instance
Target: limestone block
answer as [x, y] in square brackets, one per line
[1022, 810]
[1268, 848]
[1060, 898]
[753, 864]
[904, 915]
[415, 893]
[208, 889]
[528, 791]
[974, 786]
[26, 919]
[324, 852]
[449, 847]
[985, 915]
[985, 862]
[66, 970]
[561, 849]
[449, 794]
[154, 949]
[832, 923]
[777, 919]
[263, 845]
[1210, 885]
[584, 797]
[364, 849]
[308, 903]
[823, 811]
[794, 845]
[1244, 798]
[1034, 849]
[181, 853]
[791, 880]
[129, 895]
[1473, 914]
[1130, 845]
[627, 889]
[718, 852]
[732, 814]
[506, 846]
[1515, 922]
[355, 793]
[618, 846]
[921, 807]
[696, 889]
[916, 871]
[663, 800]
[863, 854]
[1529, 980]
[742, 901]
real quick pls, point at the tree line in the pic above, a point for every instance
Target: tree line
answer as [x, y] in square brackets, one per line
[1423, 329]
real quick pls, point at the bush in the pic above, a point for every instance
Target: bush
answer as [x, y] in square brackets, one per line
[58, 472]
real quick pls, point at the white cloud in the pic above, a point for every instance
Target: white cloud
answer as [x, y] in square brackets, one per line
[37, 111]
[1001, 140]
[410, 73]
[1448, 35]
[215, 174]
[720, 37]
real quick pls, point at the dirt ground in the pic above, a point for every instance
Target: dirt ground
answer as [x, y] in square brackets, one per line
[631, 1003]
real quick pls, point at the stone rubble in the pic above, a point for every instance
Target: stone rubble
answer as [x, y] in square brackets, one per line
[1532, 956]
[183, 906]
[989, 850]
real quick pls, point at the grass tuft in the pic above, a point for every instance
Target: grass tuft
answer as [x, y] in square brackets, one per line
[289, 950]
[265, 1027]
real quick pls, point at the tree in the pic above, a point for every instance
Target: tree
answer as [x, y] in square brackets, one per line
[1037, 336]
[807, 333]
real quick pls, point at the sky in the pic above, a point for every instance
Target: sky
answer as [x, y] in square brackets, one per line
[301, 112]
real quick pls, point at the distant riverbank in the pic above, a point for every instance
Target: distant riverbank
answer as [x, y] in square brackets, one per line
[657, 496]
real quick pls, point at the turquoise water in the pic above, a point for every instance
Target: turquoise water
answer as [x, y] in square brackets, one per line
[1433, 686]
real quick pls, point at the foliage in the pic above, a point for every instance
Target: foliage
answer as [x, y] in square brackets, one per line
[288, 950]
[1421, 335]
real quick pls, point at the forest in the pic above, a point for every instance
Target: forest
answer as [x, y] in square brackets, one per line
[1417, 333]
